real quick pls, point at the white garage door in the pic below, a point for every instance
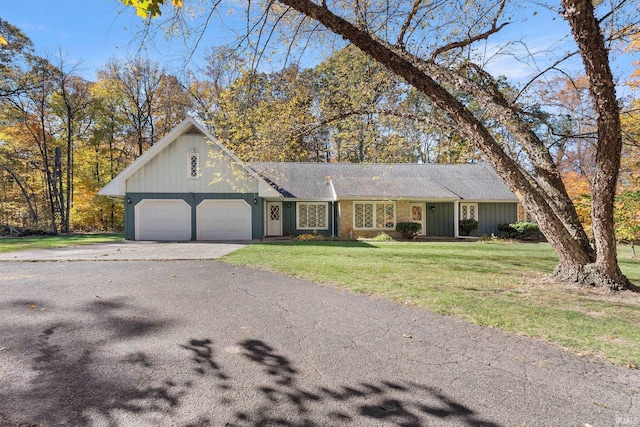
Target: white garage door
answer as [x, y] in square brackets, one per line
[223, 220]
[163, 220]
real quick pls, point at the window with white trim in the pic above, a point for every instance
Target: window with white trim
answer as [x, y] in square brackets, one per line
[374, 215]
[193, 166]
[312, 216]
[469, 211]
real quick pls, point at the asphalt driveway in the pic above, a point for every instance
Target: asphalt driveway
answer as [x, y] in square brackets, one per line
[204, 343]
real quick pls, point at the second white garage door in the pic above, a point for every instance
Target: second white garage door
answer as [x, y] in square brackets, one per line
[163, 220]
[223, 220]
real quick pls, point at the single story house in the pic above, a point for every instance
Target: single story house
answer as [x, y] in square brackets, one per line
[188, 186]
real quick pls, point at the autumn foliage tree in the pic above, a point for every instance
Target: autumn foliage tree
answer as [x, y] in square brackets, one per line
[63, 137]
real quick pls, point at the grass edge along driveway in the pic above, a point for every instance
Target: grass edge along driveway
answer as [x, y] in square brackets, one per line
[503, 285]
[13, 244]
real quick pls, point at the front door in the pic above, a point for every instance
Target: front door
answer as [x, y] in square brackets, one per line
[274, 218]
[417, 214]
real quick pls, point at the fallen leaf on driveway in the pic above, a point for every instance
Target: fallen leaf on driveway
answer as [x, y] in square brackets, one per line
[32, 306]
[407, 335]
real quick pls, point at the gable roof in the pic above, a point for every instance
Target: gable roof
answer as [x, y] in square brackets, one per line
[117, 186]
[332, 181]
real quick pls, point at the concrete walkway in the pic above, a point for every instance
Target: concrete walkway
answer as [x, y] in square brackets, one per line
[129, 251]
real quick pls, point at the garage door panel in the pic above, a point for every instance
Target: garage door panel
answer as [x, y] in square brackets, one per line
[163, 219]
[223, 220]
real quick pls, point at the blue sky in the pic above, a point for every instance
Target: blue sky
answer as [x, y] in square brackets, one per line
[93, 31]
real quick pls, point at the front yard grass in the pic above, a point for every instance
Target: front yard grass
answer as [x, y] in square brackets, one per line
[504, 285]
[12, 244]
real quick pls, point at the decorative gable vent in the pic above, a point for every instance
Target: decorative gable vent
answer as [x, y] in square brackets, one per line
[193, 165]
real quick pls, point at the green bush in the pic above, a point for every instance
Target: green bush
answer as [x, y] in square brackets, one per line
[507, 231]
[468, 226]
[408, 229]
[519, 230]
[383, 237]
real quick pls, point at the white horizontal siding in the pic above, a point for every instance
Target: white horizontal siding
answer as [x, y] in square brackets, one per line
[168, 171]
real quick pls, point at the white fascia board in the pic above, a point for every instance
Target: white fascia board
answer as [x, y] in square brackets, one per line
[397, 198]
[113, 189]
[488, 200]
[306, 199]
[265, 190]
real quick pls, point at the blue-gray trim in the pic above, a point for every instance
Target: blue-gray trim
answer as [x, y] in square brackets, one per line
[193, 199]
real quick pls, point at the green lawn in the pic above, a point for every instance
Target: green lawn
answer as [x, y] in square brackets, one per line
[498, 285]
[11, 244]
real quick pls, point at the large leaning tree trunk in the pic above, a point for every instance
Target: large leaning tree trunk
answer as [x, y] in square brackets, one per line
[536, 181]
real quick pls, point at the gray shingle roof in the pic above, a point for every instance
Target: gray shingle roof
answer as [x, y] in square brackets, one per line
[372, 180]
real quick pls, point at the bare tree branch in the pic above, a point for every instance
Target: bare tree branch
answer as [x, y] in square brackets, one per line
[407, 23]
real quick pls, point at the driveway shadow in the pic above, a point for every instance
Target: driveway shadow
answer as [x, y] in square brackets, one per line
[93, 369]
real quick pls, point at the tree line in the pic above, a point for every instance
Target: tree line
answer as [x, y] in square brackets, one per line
[63, 137]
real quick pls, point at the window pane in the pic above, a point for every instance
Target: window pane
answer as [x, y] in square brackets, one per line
[302, 216]
[193, 165]
[368, 215]
[359, 215]
[322, 216]
[465, 212]
[274, 213]
[380, 220]
[311, 216]
[388, 216]
[416, 213]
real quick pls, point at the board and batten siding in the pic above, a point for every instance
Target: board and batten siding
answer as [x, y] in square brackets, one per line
[491, 215]
[439, 220]
[168, 171]
[193, 199]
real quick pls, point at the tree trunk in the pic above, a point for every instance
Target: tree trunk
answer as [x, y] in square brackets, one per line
[69, 182]
[587, 34]
[25, 193]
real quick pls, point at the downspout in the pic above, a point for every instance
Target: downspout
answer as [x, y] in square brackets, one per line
[333, 218]
[264, 219]
[456, 219]
[334, 197]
